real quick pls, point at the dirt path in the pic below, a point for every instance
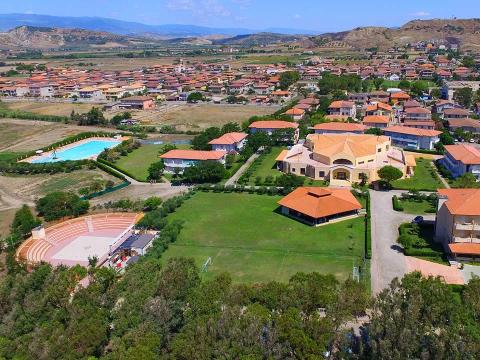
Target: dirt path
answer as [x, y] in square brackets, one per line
[233, 180]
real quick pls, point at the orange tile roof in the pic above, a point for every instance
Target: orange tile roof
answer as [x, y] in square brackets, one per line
[273, 124]
[379, 105]
[353, 145]
[467, 154]
[193, 155]
[465, 248]
[295, 111]
[320, 202]
[400, 96]
[229, 138]
[376, 119]
[462, 201]
[341, 104]
[340, 126]
[282, 155]
[412, 131]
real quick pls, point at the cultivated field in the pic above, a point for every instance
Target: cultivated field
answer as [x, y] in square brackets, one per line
[23, 135]
[25, 189]
[246, 235]
[201, 116]
[49, 108]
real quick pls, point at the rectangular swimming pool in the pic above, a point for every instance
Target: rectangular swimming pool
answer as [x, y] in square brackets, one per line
[85, 150]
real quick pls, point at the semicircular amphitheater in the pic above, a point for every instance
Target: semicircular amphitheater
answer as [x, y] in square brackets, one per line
[74, 241]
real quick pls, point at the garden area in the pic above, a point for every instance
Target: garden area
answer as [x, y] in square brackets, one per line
[424, 179]
[263, 171]
[414, 202]
[254, 242]
[417, 240]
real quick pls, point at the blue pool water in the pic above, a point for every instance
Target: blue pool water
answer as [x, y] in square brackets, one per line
[79, 152]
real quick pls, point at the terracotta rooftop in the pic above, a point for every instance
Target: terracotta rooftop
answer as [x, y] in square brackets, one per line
[340, 126]
[341, 104]
[273, 124]
[193, 155]
[467, 154]
[320, 202]
[229, 138]
[412, 131]
[462, 201]
[353, 145]
[465, 248]
[376, 119]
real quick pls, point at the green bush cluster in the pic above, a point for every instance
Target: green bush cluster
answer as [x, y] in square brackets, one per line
[396, 204]
[261, 190]
[26, 115]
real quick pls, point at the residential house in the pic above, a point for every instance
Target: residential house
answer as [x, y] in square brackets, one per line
[269, 126]
[465, 124]
[295, 113]
[341, 107]
[461, 159]
[377, 121]
[429, 125]
[343, 159]
[417, 114]
[457, 224]
[137, 102]
[379, 109]
[413, 138]
[316, 206]
[177, 160]
[229, 142]
[455, 113]
[449, 87]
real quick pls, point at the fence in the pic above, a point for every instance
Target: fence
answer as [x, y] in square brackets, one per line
[106, 191]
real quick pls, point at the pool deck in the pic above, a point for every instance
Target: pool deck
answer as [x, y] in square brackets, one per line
[72, 145]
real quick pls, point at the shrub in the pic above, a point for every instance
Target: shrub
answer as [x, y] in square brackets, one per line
[396, 204]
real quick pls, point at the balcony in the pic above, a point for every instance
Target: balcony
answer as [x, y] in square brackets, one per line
[470, 240]
[467, 226]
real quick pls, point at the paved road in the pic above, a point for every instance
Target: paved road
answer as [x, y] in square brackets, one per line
[233, 180]
[388, 260]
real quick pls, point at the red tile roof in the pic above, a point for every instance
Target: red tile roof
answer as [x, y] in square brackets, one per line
[462, 201]
[467, 154]
[320, 202]
[193, 155]
[229, 138]
[340, 126]
[273, 124]
[465, 248]
[376, 119]
[412, 131]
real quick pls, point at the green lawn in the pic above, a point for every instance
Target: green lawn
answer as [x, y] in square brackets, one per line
[138, 161]
[266, 165]
[424, 178]
[424, 247]
[417, 207]
[245, 235]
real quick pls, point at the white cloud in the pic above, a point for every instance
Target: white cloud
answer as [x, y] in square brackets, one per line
[421, 13]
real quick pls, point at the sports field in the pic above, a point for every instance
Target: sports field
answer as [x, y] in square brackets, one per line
[245, 235]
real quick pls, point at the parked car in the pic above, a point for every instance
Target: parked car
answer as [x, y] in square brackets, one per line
[417, 220]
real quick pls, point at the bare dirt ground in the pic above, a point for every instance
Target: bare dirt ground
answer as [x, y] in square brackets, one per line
[200, 116]
[6, 217]
[25, 135]
[50, 108]
[18, 190]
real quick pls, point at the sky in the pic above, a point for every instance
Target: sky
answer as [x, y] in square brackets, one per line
[318, 15]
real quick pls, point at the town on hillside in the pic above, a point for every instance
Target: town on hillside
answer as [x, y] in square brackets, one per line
[262, 196]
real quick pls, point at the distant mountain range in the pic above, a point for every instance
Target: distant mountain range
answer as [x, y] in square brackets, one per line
[53, 32]
[10, 21]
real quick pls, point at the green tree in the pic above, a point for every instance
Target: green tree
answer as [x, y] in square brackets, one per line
[204, 172]
[288, 78]
[60, 204]
[155, 170]
[374, 131]
[24, 221]
[378, 82]
[464, 97]
[389, 173]
[195, 97]
[467, 180]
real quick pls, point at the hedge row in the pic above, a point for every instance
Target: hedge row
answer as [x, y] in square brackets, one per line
[396, 204]
[260, 190]
[112, 165]
[109, 170]
[26, 115]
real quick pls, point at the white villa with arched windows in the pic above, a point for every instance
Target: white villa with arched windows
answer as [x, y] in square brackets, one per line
[343, 159]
